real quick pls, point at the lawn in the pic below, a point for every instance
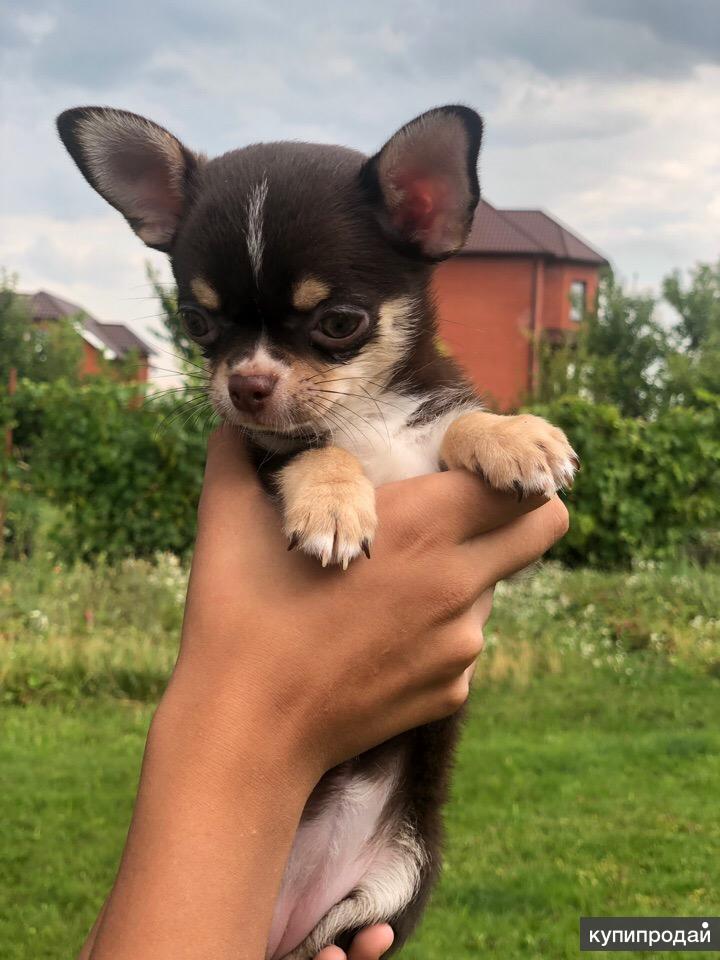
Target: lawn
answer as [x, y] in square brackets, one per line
[588, 780]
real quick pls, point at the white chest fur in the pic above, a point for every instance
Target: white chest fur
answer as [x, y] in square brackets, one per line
[377, 433]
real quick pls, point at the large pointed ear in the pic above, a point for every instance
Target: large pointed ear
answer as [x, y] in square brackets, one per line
[424, 183]
[137, 166]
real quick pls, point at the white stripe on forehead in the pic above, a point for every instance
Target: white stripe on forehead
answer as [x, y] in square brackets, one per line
[254, 232]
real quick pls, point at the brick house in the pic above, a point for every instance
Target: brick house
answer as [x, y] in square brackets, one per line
[111, 341]
[522, 277]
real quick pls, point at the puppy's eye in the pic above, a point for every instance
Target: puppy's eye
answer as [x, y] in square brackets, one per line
[340, 327]
[198, 324]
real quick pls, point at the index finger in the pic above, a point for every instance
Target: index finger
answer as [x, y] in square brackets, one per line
[231, 480]
[461, 504]
[500, 553]
[227, 454]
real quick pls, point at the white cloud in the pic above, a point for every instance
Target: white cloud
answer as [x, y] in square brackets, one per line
[95, 262]
[610, 123]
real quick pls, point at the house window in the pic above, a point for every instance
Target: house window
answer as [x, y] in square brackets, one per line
[578, 294]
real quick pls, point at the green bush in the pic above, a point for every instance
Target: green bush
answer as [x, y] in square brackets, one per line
[647, 488]
[123, 474]
[112, 476]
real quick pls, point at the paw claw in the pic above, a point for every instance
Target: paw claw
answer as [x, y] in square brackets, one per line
[524, 454]
[328, 506]
[333, 534]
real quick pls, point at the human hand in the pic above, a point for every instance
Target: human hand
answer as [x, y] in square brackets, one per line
[369, 944]
[361, 655]
[285, 669]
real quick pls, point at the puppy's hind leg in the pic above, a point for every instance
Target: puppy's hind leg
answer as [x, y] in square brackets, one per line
[385, 891]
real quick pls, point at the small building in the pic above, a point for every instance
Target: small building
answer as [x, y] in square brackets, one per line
[522, 277]
[109, 341]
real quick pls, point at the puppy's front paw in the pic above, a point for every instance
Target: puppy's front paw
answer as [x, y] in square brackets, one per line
[523, 453]
[329, 506]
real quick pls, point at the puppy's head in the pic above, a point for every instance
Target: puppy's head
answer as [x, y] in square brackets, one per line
[302, 269]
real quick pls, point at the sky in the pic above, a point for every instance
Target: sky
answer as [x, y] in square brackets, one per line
[605, 113]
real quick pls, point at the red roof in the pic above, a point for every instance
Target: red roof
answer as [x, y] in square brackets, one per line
[526, 233]
[115, 336]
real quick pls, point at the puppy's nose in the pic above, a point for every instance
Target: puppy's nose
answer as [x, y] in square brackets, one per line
[249, 394]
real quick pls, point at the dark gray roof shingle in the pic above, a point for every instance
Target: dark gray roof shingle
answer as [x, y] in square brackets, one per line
[115, 336]
[528, 233]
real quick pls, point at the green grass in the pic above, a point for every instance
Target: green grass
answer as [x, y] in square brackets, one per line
[578, 798]
[588, 780]
[69, 774]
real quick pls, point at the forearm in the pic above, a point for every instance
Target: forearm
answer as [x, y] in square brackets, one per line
[220, 796]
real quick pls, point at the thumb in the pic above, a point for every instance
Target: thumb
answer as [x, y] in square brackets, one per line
[227, 454]
[231, 483]
[232, 496]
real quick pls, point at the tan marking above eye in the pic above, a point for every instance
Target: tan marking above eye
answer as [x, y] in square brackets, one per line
[309, 292]
[204, 294]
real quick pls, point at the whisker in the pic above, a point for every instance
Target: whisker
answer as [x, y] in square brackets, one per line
[150, 316]
[369, 396]
[381, 414]
[337, 420]
[178, 412]
[127, 299]
[374, 383]
[208, 424]
[184, 373]
[187, 388]
[177, 356]
[365, 420]
[195, 414]
[336, 404]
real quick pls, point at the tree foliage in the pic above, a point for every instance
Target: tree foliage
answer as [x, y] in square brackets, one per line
[616, 356]
[624, 355]
[694, 365]
[697, 304]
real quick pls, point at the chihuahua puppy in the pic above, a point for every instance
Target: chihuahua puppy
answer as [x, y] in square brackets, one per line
[304, 271]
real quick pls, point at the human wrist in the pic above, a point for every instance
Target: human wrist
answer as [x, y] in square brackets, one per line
[221, 793]
[236, 730]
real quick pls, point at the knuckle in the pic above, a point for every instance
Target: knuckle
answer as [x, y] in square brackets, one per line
[410, 530]
[558, 519]
[466, 648]
[457, 694]
[452, 594]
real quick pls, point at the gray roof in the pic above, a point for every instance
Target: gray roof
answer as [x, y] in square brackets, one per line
[526, 232]
[114, 336]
